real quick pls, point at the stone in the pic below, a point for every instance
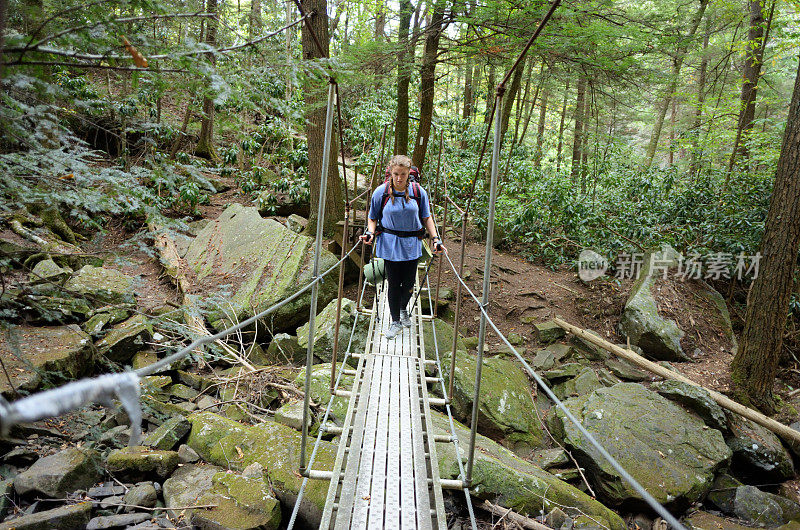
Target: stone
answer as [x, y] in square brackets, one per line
[503, 478]
[95, 325]
[583, 384]
[144, 494]
[196, 381]
[441, 339]
[138, 463]
[63, 518]
[565, 371]
[262, 261]
[256, 355]
[207, 403]
[470, 343]
[515, 339]
[168, 434]
[125, 339]
[627, 371]
[321, 393]
[291, 415]
[107, 286]
[6, 489]
[181, 391]
[723, 492]
[296, 224]
[284, 349]
[701, 520]
[643, 431]
[548, 332]
[276, 447]
[696, 399]
[325, 325]
[108, 489]
[156, 385]
[187, 455]
[48, 271]
[548, 458]
[757, 452]
[506, 406]
[61, 473]
[544, 360]
[657, 336]
[188, 486]
[118, 436]
[143, 358]
[36, 355]
[117, 521]
[556, 518]
[585, 349]
[753, 505]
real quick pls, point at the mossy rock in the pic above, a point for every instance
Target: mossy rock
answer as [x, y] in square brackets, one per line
[321, 390]
[444, 338]
[125, 339]
[102, 285]
[758, 453]
[139, 462]
[61, 473]
[325, 326]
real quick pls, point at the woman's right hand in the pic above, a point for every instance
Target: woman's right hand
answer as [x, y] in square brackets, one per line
[367, 238]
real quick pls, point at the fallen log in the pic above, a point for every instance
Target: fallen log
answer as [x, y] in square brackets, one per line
[513, 517]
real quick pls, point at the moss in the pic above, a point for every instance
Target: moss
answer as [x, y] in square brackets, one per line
[140, 462]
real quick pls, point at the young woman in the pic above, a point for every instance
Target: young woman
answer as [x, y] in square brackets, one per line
[399, 215]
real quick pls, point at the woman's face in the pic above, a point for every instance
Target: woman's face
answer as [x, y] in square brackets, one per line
[400, 176]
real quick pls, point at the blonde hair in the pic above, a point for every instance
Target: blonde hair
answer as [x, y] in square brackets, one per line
[401, 161]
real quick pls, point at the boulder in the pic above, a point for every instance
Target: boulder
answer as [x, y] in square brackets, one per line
[139, 463]
[285, 349]
[48, 271]
[63, 518]
[696, 399]
[102, 285]
[144, 494]
[644, 432]
[274, 446]
[321, 393]
[296, 224]
[758, 453]
[506, 410]
[503, 478]
[261, 262]
[64, 472]
[657, 336]
[443, 338]
[291, 415]
[37, 355]
[753, 505]
[584, 383]
[700, 520]
[125, 339]
[124, 520]
[168, 434]
[325, 325]
[549, 331]
[627, 371]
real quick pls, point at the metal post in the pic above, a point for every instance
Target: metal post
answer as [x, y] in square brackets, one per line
[323, 189]
[487, 266]
[458, 305]
[435, 308]
[339, 299]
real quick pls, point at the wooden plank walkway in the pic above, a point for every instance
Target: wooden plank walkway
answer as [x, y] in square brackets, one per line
[386, 473]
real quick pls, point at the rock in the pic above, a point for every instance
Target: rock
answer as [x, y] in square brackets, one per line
[242, 502]
[723, 492]
[143, 358]
[547, 458]
[296, 224]
[565, 371]
[65, 517]
[755, 506]
[700, 520]
[33, 355]
[719, 313]
[188, 486]
[182, 391]
[583, 384]
[107, 286]
[207, 403]
[544, 360]
[196, 381]
[696, 399]
[118, 436]
[256, 355]
[324, 326]
[585, 349]
[505, 479]
[262, 261]
[625, 370]
[168, 434]
[137, 463]
[48, 271]
[443, 339]
[506, 406]
[320, 390]
[284, 349]
[156, 385]
[95, 325]
[142, 495]
[556, 518]
[291, 415]
[274, 446]
[641, 323]
[757, 452]
[64, 472]
[187, 454]
[117, 521]
[125, 339]
[108, 489]
[515, 339]
[470, 343]
[644, 432]
[6, 489]
[548, 332]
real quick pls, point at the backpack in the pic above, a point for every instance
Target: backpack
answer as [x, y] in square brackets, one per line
[416, 194]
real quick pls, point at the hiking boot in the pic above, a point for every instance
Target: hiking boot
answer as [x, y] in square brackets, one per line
[405, 320]
[394, 329]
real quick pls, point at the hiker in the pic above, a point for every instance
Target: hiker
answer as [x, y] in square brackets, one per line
[400, 214]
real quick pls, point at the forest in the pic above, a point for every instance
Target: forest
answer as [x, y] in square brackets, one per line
[651, 139]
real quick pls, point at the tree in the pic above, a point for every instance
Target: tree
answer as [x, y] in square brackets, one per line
[403, 79]
[315, 110]
[205, 145]
[577, 142]
[754, 367]
[427, 82]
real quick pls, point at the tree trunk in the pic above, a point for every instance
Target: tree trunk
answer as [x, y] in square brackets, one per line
[751, 71]
[524, 107]
[577, 133]
[755, 365]
[468, 97]
[561, 128]
[694, 163]
[537, 160]
[673, 110]
[315, 95]
[380, 22]
[289, 59]
[490, 88]
[508, 100]
[255, 18]
[403, 79]
[427, 81]
[205, 145]
[673, 84]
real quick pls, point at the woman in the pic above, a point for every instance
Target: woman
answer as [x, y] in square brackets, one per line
[400, 214]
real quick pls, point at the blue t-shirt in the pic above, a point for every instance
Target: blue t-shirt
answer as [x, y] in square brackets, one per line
[400, 215]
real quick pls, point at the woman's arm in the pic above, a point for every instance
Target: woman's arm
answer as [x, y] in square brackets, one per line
[430, 226]
[369, 235]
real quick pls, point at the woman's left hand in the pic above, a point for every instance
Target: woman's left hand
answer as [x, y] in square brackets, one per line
[438, 247]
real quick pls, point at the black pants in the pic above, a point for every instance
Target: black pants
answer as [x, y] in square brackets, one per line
[400, 275]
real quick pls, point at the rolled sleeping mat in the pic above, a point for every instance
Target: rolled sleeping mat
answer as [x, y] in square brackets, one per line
[375, 271]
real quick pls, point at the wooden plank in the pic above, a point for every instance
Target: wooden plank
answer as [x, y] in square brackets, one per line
[407, 494]
[379, 485]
